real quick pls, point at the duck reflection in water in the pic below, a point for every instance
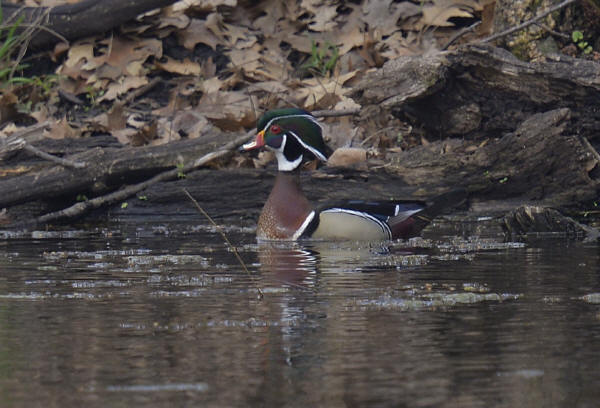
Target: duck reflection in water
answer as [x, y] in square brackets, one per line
[288, 263]
[297, 264]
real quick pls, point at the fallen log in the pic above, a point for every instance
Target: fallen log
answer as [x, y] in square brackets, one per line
[525, 130]
[539, 220]
[107, 169]
[78, 20]
[540, 162]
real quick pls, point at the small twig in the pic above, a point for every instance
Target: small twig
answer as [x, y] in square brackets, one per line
[220, 231]
[528, 22]
[52, 158]
[460, 34]
[24, 37]
[68, 96]
[46, 29]
[335, 113]
[551, 31]
[372, 135]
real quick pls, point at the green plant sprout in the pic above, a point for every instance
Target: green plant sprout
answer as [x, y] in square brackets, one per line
[13, 43]
[577, 37]
[10, 41]
[322, 59]
[92, 94]
[180, 173]
[45, 82]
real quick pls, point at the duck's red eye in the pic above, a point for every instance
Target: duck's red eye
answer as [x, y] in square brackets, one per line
[275, 129]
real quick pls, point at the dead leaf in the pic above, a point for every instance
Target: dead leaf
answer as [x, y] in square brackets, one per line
[122, 53]
[264, 158]
[176, 102]
[124, 136]
[59, 49]
[185, 67]
[228, 110]
[190, 124]
[440, 11]
[381, 15]
[116, 117]
[346, 103]
[248, 60]
[351, 39]
[324, 19]
[211, 85]
[178, 20]
[9, 129]
[8, 108]
[341, 133]
[61, 130]
[315, 89]
[125, 84]
[78, 53]
[197, 32]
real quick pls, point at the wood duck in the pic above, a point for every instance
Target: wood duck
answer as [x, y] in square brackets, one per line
[295, 136]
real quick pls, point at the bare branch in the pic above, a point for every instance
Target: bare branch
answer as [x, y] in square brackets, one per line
[528, 22]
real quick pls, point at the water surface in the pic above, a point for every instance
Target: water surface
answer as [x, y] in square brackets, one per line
[164, 315]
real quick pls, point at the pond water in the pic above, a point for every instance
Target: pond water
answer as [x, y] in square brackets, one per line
[164, 316]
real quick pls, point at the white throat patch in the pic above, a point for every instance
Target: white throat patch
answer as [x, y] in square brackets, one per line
[283, 164]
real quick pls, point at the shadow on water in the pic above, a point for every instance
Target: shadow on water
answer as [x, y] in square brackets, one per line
[164, 316]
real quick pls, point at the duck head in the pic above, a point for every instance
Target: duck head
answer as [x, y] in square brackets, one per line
[294, 135]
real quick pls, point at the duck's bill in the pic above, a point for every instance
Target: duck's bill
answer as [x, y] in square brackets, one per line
[256, 143]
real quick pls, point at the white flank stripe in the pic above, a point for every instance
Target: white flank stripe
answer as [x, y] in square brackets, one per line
[300, 230]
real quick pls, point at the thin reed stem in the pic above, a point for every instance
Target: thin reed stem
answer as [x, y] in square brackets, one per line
[261, 295]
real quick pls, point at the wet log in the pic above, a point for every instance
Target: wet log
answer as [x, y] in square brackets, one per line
[509, 129]
[542, 162]
[531, 219]
[78, 20]
[106, 169]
